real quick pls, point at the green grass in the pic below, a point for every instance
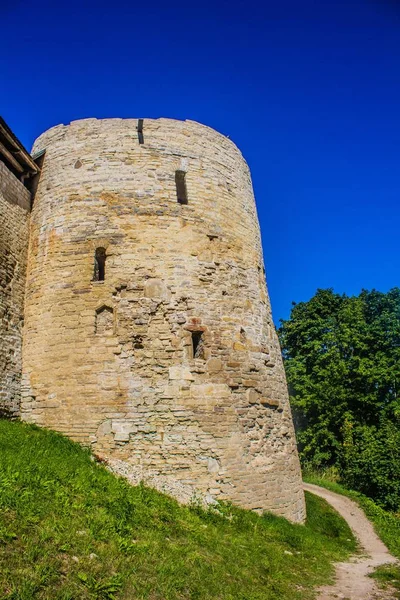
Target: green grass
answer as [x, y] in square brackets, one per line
[70, 530]
[388, 576]
[386, 524]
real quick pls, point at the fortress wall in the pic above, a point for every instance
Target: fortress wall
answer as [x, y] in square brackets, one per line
[14, 224]
[111, 362]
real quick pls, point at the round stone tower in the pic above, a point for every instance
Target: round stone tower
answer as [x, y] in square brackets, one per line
[148, 329]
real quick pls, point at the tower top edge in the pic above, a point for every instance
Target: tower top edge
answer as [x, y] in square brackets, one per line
[93, 121]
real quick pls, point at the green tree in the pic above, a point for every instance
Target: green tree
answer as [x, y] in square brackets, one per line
[342, 360]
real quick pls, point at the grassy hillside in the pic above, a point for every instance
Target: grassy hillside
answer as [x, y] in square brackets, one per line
[70, 530]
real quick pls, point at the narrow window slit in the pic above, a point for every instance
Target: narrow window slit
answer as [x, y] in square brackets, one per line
[140, 131]
[198, 344]
[181, 191]
[99, 264]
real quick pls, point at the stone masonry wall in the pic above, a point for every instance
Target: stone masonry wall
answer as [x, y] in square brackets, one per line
[14, 229]
[111, 363]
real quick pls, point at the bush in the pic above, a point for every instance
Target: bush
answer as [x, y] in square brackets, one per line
[370, 462]
[342, 361]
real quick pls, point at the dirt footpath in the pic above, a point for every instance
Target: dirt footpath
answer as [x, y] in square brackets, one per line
[352, 581]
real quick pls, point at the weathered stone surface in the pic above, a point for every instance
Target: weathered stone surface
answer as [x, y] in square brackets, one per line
[214, 365]
[163, 364]
[14, 228]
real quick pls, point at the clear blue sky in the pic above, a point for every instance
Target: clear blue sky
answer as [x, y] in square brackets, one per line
[309, 91]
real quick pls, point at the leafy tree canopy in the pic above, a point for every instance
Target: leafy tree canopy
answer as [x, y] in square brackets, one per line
[342, 360]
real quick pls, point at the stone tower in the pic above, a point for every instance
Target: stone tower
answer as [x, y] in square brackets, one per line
[148, 329]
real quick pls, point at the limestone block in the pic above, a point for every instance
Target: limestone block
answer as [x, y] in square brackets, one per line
[155, 288]
[205, 390]
[122, 430]
[239, 346]
[180, 373]
[214, 365]
[213, 465]
[269, 401]
[252, 396]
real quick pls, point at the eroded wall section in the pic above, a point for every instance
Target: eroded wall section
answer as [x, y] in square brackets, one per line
[14, 228]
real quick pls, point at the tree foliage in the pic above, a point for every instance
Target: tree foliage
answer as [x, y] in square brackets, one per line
[342, 360]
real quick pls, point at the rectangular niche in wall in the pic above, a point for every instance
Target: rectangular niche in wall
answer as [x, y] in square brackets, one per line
[104, 324]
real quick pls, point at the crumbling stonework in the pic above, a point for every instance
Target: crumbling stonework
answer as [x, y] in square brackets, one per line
[165, 356]
[14, 230]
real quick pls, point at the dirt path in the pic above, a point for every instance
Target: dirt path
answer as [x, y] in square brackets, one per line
[352, 581]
